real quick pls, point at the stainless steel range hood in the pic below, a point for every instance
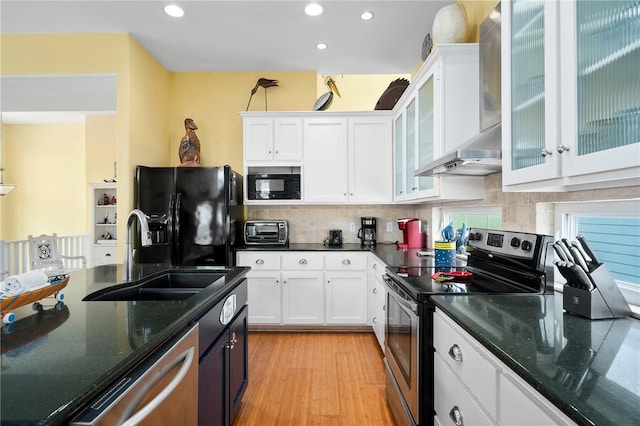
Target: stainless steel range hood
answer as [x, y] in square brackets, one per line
[480, 156]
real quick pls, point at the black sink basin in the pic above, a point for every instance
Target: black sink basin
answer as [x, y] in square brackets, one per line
[173, 285]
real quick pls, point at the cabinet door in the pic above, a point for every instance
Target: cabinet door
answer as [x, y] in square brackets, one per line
[346, 301]
[530, 92]
[258, 139]
[264, 291]
[400, 189]
[302, 297]
[212, 384]
[370, 160]
[287, 139]
[601, 95]
[325, 160]
[426, 130]
[411, 182]
[238, 366]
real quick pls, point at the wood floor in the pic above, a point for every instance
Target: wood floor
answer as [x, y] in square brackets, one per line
[314, 379]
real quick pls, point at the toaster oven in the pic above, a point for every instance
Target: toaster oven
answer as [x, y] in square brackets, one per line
[266, 232]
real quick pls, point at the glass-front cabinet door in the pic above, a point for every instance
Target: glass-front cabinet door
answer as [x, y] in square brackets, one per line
[398, 154]
[426, 131]
[603, 86]
[410, 117]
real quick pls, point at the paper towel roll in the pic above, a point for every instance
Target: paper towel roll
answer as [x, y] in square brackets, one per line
[17, 284]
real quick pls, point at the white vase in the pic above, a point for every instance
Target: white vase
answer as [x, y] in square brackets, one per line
[450, 25]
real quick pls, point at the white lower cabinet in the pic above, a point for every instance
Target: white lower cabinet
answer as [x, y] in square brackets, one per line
[377, 299]
[346, 297]
[472, 386]
[264, 286]
[302, 297]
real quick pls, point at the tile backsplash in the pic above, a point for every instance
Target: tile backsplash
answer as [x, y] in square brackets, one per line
[521, 211]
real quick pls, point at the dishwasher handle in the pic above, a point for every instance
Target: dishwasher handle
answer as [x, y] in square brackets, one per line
[128, 418]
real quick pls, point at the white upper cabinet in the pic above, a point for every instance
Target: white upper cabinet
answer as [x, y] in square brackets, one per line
[272, 139]
[438, 112]
[571, 94]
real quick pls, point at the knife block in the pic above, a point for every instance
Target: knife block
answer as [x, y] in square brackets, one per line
[604, 301]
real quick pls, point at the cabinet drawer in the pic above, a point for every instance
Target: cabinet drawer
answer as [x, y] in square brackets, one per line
[259, 260]
[451, 399]
[302, 261]
[104, 255]
[346, 261]
[455, 348]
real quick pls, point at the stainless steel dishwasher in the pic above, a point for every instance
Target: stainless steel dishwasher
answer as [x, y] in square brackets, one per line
[162, 390]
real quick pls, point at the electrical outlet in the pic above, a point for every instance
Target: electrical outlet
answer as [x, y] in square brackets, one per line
[389, 226]
[352, 227]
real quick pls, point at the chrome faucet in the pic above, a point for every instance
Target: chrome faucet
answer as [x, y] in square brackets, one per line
[145, 239]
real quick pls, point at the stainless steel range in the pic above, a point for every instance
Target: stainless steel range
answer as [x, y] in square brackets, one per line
[499, 262]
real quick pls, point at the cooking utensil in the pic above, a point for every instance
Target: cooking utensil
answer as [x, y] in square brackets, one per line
[587, 248]
[560, 252]
[582, 277]
[579, 259]
[563, 270]
[581, 250]
[448, 232]
[565, 250]
[564, 243]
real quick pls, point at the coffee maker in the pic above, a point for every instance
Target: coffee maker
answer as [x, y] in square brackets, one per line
[367, 232]
[412, 234]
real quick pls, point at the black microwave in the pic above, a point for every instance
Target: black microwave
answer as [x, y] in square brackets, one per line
[270, 186]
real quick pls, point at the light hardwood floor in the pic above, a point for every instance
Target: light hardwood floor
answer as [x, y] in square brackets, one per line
[314, 379]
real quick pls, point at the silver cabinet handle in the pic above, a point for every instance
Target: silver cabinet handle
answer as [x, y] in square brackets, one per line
[456, 353]
[259, 262]
[561, 148]
[545, 152]
[375, 266]
[187, 359]
[375, 291]
[346, 262]
[232, 342]
[302, 261]
[456, 416]
[374, 320]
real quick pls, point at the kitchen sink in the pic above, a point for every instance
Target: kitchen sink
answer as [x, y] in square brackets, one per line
[173, 285]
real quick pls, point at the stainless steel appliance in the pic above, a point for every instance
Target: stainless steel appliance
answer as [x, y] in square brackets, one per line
[367, 231]
[482, 154]
[499, 262]
[273, 186]
[161, 390]
[195, 214]
[266, 232]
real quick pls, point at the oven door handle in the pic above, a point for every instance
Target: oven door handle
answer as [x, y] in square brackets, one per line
[406, 304]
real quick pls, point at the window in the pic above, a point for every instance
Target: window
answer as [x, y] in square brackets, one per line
[613, 231]
[474, 217]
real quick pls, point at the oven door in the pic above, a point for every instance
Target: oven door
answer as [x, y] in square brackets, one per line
[402, 349]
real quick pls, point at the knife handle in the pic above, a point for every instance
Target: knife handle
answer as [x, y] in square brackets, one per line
[565, 244]
[579, 259]
[587, 248]
[559, 251]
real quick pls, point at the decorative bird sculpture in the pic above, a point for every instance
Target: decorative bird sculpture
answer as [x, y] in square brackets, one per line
[392, 94]
[189, 150]
[265, 83]
[326, 99]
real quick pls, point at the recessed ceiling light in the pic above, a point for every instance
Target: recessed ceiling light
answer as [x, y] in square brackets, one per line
[313, 9]
[367, 15]
[174, 10]
[321, 46]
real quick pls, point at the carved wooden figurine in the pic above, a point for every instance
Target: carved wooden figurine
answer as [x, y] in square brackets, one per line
[189, 150]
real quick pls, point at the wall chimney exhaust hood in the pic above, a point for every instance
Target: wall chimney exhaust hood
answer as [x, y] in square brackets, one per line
[482, 154]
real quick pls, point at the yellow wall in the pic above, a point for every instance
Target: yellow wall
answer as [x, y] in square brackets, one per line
[100, 141]
[50, 179]
[358, 92]
[477, 11]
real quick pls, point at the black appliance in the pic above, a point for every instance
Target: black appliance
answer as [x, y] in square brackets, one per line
[195, 214]
[367, 232]
[268, 186]
[499, 262]
[334, 239]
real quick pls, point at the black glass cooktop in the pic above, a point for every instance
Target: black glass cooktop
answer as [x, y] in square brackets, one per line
[417, 281]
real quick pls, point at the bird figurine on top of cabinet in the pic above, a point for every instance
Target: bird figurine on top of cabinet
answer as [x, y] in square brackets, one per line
[264, 83]
[189, 150]
[325, 100]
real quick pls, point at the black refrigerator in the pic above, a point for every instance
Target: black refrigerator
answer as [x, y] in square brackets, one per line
[195, 214]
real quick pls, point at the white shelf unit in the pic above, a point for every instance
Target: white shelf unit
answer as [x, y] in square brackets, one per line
[104, 228]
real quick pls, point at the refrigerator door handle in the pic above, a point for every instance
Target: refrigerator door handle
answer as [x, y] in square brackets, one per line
[172, 215]
[176, 227]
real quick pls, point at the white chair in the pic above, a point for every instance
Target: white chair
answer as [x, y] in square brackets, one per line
[44, 255]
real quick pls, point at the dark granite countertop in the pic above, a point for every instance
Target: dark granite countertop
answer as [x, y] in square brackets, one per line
[55, 361]
[589, 369]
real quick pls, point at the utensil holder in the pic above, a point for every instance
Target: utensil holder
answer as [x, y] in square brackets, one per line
[604, 301]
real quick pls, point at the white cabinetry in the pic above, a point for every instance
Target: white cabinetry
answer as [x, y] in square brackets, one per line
[438, 112]
[272, 139]
[377, 298]
[264, 285]
[347, 158]
[302, 288]
[346, 288]
[474, 387]
[570, 95]
[104, 228]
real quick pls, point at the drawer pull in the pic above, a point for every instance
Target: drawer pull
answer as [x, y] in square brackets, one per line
[259, 262]
[456, 416]
[375, 291]
[346, 262]
[108, 255]
[375, 266]
[303, 261]
[456, 353]
[374, 320]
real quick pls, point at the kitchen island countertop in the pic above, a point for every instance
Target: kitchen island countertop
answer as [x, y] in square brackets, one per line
[589, 369]
[57, 360]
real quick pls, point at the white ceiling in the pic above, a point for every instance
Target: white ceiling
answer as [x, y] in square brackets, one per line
[226, 35]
